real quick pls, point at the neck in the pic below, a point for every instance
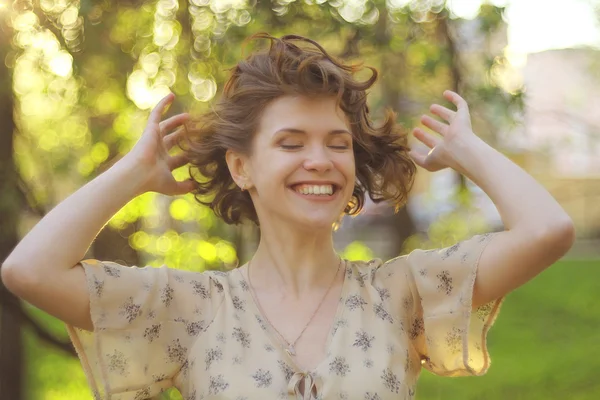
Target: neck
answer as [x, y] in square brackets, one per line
[294, 261]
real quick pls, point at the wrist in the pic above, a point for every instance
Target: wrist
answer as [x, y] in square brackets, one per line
[468, 153]
[132, 174]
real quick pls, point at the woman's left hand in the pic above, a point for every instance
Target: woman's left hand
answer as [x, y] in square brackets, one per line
[456, 128]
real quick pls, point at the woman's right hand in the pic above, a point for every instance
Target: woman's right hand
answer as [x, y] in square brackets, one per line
[151, 152]
[45, 271]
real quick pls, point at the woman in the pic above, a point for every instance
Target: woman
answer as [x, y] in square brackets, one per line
[291, 147]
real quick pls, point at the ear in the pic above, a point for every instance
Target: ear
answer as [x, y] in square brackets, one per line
[239, 168]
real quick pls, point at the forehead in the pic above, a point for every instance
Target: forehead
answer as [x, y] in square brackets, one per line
[306, 113]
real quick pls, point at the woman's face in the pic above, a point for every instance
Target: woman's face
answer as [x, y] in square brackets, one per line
[302, 163]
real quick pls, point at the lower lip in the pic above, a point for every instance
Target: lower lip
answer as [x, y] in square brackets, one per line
[316, 197]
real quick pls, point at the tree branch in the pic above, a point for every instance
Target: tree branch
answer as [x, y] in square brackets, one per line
[28, 199]
[49, 24]
[351, 45]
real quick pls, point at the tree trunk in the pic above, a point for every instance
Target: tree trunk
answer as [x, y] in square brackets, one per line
[393, 68]
[11, 363]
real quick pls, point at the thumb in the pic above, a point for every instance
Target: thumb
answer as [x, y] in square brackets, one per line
[419, 159]
[185, 187]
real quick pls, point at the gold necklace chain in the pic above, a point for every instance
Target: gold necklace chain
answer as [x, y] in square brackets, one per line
[289, 348]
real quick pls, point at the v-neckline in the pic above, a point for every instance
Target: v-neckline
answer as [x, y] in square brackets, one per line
[272, 335]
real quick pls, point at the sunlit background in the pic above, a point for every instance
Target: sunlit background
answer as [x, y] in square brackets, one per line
[79, 78]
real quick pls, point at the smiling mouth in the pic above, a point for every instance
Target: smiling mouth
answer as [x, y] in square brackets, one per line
[315, 190]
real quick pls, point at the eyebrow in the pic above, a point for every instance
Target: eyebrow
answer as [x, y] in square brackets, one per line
[300, 131]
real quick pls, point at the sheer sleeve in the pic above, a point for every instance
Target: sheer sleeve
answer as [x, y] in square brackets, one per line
[145, 320]
[448, 335]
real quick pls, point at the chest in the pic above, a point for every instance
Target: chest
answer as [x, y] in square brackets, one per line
[352, 354]
[301, 328]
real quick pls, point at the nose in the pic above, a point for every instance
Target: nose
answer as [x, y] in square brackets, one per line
[318, 160]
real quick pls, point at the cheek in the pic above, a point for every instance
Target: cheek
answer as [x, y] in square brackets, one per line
[271, 169]
[347, 166]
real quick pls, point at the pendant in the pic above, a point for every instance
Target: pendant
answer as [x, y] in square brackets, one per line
[291, 351]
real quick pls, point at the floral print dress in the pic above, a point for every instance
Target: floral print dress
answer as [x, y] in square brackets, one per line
[155, 328]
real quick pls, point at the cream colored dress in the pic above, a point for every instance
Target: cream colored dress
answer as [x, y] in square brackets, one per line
[202, 332]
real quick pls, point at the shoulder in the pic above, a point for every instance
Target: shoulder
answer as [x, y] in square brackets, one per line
[205, 284]
[108, 279]
[377, 270]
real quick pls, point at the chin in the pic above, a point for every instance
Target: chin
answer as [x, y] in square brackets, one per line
[316, 222]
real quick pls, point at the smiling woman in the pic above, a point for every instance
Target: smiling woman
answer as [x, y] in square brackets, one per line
[291, 147]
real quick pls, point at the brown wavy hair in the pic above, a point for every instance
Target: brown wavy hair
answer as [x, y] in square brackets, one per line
[293, 65]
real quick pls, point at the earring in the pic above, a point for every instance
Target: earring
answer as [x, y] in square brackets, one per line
[243, 187]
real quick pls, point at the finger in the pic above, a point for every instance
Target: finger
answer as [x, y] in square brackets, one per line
[418, 158]
[434, 125]
[156, 114]
[171, 123]
[442, 112]
[424, 161]
[178, 160]
[425, 137]
[458, 101]
[171, 139]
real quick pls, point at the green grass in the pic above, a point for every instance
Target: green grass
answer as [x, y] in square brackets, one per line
[544, 345]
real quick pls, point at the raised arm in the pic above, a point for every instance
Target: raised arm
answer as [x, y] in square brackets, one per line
[43, 268]
[538, 231]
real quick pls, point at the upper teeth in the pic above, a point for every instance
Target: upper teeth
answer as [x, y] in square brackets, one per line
[315, 189]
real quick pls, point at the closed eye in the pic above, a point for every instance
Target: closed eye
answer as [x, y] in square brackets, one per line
[297, 146]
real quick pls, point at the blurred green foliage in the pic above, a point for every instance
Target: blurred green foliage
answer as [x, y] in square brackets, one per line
[84, 91]
[86, 73]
